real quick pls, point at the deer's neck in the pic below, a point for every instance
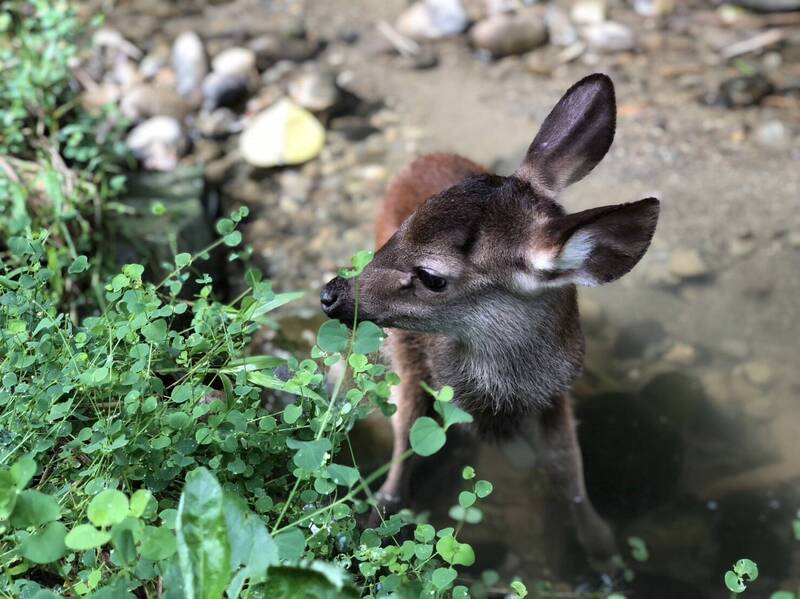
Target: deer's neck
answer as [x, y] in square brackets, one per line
[517, 355]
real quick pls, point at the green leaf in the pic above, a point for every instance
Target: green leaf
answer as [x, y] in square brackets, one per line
[8, 494]
[451, 414]
[468, 473]
[343, 475]
[86, 536]
[22, 471]
[424, 533]
[783, 595]
[46, 545]
[520, 589]
[79, 265]
[358, 362]
[291, 544]
[359, 261]
[291, 413]
[139, 502]
[368, 338]
[34, 508]
[158, 543]
[203, 547]
[232, 239]
[123, 538]
[333, 336]
[733, 582]
[442, 578]
[466, 499]
[426, 436]
[319, 581]
[746, 569]
[310, 455]
[454, 552]
[638, 549]
[156, 331]
[483, 488]
[108, 507]
[183, 259]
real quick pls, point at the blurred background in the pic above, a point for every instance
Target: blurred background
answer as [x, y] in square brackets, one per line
[688, 411]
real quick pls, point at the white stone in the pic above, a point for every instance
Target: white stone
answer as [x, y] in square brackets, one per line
[610, 37]
[433, 19]
[235, 61]
[282, 134]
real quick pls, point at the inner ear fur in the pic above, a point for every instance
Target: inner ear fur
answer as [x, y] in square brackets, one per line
[600, 245]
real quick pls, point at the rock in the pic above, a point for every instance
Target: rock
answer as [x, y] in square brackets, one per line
[218, 123]
[158, 143]
[654, 8]
[224, 90]
[509, 34]
[734, 348]
[758, 373]
[314, 90]
[741, 248]
[588, 12]
[235, 61]
[634, 339]
[282, 134]
[687, 264]
[272, 48]
[773, 135]
[426, 57]
[610, 37]
[682, 354]
[190, 64]
[154, 62]
[432, 19]
[560, 30]
[743, 91]
[146, 100]
[769, 5]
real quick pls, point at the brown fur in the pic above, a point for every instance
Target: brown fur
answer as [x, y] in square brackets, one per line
[423, 178]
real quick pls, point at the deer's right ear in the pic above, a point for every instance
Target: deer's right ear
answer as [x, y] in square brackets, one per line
[573, 138]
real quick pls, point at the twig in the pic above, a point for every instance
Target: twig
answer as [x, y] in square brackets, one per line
[757, 42]
[405, 46]
[10, 172]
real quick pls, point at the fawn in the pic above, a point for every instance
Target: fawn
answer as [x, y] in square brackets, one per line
[475, 275]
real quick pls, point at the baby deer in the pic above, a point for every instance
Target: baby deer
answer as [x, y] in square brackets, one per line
[475, 274]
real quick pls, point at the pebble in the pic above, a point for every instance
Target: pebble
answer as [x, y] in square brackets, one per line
[654, 8]
[773, 135]
[284, 133]
[588, 12]
[508, 34]
[432, 19]
[315, 90]
[682, 354]
[217, 123]
[190, 64]
[224, 90]
[272, 48]
[560, 30]
[734, 348]
[758, 373]
[743, 91]
[235, 61]
[610, 37]
[687, 264]
[158, 143]
[741, 248]
[145, 100]
[635, 339]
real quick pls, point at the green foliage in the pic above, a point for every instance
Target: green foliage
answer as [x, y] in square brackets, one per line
[744, 571]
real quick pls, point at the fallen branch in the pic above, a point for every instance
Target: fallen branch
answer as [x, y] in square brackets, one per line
[757, 42]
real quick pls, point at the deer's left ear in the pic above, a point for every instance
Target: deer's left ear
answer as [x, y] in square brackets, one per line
[592, 247]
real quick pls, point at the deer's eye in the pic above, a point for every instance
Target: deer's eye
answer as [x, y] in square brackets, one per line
[430, 280]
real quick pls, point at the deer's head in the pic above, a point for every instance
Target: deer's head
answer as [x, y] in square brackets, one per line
[495, 240]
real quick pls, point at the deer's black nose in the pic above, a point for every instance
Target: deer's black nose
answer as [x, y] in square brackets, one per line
[329, 297]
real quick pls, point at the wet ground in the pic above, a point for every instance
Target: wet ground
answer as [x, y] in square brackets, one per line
[688, 410]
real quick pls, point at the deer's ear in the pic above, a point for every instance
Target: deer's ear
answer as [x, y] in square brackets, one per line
[574, 137]
[592, 247]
